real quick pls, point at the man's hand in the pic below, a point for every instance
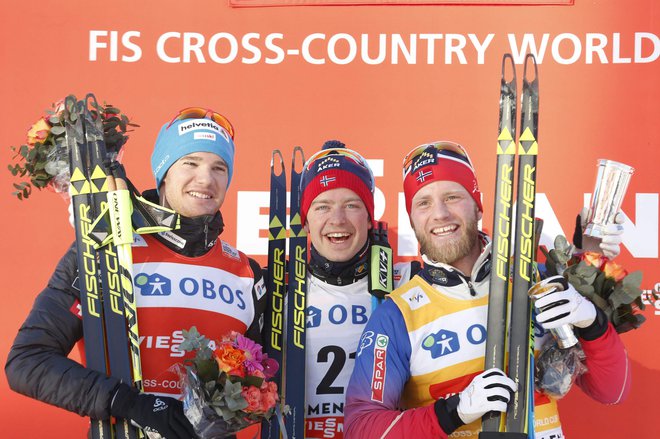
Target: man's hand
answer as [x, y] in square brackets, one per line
[489, 391]
[152, 413]
[610, 243]
[561, 304]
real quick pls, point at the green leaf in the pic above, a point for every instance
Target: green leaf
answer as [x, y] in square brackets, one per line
[54, 119]
[207, 370]
[112, 110]
[598, 282]
[251, 380]
[633, 279]
[618, 297]
[598, 301]
[24, 150]
[58, 130]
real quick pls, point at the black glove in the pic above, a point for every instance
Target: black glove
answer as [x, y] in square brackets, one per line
[152, 413]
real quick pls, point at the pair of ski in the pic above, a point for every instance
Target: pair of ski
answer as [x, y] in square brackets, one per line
[287, 287]
[519, 422]
[104, 222]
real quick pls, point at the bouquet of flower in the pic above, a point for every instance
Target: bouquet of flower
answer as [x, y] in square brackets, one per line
[44, 158]
[226, 385]
[608, 285]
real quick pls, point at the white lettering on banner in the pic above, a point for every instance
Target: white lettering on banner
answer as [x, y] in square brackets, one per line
[374, 49]
[567, 48]
[652, 298]
[98, 40]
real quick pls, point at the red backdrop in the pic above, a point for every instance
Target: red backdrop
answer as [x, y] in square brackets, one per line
[290, 76]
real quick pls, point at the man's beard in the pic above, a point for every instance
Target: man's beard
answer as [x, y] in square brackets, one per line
[453, 250]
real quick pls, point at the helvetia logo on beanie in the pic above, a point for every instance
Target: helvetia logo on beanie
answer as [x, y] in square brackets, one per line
[202, 124]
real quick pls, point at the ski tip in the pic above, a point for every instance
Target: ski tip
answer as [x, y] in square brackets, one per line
[298, 152]
[278, 158]
[531, 58]
[507, 60]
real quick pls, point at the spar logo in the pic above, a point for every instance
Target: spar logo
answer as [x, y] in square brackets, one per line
[153, 284]
[441, 343]
[380, 367]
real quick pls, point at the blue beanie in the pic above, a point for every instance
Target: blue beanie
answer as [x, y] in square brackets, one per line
[187, 136]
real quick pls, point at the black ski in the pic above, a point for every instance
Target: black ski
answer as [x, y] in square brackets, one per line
[521, 349]
[294, 365]
[502, 221]
[111, 268]
[274, 319]
[84, 209]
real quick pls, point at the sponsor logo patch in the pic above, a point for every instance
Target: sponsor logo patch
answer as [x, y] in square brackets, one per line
[204, 136]
[424, 159]
[76, 309]
[230, 251]
[139, 241]
[260, 288]
[416, 298]
[153, 285]
[173, 238]
[441, 343]
[199, 124]
[380, 367]
[313, 317]
[366, 340]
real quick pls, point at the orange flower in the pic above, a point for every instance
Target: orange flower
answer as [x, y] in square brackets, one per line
[39, 132]
[614, 271]
[229, 358]
[594, 259]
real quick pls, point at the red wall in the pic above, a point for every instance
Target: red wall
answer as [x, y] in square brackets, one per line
[606, 108]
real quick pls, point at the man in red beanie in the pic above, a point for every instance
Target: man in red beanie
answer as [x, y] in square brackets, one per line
[337, 208]
[419, 366]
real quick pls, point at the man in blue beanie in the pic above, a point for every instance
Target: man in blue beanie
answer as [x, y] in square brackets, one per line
[184, 278]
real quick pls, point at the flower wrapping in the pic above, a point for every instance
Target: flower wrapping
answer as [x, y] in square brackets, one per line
[226, 387]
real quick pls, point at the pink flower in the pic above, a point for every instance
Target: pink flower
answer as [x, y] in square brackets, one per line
[253, 397]
[253, 354]
[270, 367]
[59, 106]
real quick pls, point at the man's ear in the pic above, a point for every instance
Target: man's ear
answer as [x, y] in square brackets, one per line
[306, 227]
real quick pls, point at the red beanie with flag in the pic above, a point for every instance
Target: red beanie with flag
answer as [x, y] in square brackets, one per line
[438, 161]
